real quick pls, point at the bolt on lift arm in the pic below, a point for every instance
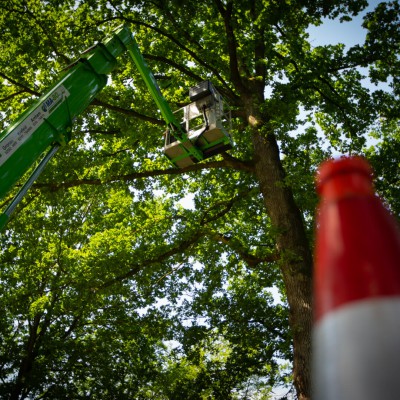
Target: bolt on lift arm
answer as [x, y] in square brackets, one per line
[47, 124]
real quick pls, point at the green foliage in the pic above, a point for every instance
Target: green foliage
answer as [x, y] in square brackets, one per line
[384, 157]
[122, 277]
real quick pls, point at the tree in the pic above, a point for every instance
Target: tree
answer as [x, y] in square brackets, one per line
[102, 237]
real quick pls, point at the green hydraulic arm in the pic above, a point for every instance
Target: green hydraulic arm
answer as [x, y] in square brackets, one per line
[47, 124]
[172, 123]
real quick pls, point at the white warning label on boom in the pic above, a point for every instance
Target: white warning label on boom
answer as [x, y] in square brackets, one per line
[22, 131]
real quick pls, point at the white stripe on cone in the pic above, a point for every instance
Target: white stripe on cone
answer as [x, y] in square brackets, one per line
[357, 351]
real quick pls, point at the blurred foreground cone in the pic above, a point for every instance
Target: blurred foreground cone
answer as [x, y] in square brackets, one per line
[356, 337]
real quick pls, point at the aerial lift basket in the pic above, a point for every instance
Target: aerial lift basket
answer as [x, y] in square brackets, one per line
[206, 120]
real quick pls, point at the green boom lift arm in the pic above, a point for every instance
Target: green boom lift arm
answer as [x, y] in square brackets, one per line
[47, 124]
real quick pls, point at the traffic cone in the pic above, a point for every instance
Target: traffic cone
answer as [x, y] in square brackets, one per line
[356, 334]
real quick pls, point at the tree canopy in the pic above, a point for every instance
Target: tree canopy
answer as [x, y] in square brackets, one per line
[124, 277]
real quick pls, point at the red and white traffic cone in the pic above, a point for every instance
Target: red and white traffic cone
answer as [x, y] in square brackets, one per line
[356, 335]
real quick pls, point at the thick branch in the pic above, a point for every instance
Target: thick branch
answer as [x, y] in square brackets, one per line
[232, 164]
[11, 96]
[192, 53]
[18, 84]
[182, 246]
[177, 66]
[135, 268]
[163, 6]
[226, 15]
[234, 244]
[101, 132]
[125, 111]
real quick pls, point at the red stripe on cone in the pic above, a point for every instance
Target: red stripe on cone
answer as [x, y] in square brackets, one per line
[356, 346]
[358, 242]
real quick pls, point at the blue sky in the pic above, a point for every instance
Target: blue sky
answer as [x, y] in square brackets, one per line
[333, 32]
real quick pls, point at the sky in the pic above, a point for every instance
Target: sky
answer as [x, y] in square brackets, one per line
[333, 32]
[349, 33]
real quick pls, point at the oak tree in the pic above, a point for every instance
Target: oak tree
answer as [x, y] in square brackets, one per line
[124, 277]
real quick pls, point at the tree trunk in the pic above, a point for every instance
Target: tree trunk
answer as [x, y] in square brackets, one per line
[26, 361]
[292, 243]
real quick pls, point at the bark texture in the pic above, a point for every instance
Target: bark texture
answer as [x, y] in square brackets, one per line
[296, 259]
[291, 242]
